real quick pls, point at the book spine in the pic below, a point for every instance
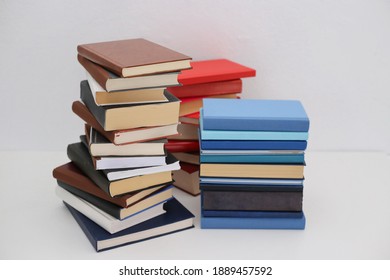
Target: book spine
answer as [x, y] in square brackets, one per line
[252, 158]
[86, 96]
[253, 145]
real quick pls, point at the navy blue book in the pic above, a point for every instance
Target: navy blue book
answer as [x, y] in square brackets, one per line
[252, 145]
[250, 187]
[252, 214]
[252, 223]
[176, 218]
[254, 115]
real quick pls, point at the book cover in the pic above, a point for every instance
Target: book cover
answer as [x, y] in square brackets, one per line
[175, 219]
[126, 136]
[252, 223]
[252, 181]
[79, 155]
[190, 118]
[207, 89]
[186, 146]
[187, 178]
[103, 219]
[251, 214]
[70, 174]
[116, 211]
[133, 57]
[214, 70]
[252, 145]
[250, 187]
[252, 200]
[254, 115]
[132, 116]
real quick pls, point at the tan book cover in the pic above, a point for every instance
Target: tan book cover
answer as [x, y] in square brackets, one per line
[134, 57]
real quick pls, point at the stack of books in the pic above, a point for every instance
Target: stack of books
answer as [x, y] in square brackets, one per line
[217, 78]
[118, 183]
[252, 163]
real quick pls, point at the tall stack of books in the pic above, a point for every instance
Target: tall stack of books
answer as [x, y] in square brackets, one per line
[217, 78]
[118, 184]
[252, 163]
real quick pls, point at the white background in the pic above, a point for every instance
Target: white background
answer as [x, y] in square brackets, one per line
[331, 55]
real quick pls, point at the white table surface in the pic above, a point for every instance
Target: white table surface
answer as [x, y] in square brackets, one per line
[346, 202]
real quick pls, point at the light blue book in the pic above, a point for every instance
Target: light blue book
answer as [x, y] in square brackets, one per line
[224, 158]
[252, 223]
[254, 114]
[248, 134]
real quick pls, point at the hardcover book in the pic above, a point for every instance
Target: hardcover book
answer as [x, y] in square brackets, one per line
[135, 96]
[255, 115]
[70, 174]
[252, 223]
[115, 211]
[252, 181]
[103, 219]
[134, 116]
[215, 70]
[126, 136]
[207, 89]
[111, 82]
[175, 219]
[79, 155]
[252, 200]
[252, 145]
[134, 57]
[187, 178]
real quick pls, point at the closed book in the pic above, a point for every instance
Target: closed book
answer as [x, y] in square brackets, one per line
[176, 146]
[172, 164]
[79, 155]
[254, 115]
[103, 219]
[134, 57]
[214, 134]
[252, 181]
[186, 132]
[287, 171]
[123, 97]
[125, 136]
[120, 117]
[116, 211]
[192, 157]
[190, 118]
[251, 214]
[252, 158]
[252, 223]
[111, 82]
[250, 187]
[124, 162]
[252, 200]
[99, 146]
[207, 71]
[207, 89]
[191, 105]
[175, 219]
[252, 145]
[187, 178]
[70, 174]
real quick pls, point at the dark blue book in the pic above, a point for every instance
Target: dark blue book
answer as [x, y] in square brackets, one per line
[252, 223]
[176, 218]
[252, 214]
[254, 114]
[250, 187]
[252, 145]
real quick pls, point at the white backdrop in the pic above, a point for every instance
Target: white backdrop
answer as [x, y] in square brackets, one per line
[331, 55]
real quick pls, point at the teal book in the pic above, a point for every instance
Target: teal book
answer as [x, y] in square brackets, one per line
[226, 158]
[295, 223]
[255, 115]
[210, 134]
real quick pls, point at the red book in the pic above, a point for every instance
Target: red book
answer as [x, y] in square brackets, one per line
[190, 118]
[208, 71]
[176, 146]
[207, 89]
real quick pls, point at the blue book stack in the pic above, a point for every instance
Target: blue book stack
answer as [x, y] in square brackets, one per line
[252, 161]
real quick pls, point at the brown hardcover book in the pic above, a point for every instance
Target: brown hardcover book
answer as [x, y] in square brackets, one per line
[134, 57]
[288, 171]
[70, 174]
[111, 82]
[252, 201]
[190, 157]
[187, 178]
[127, 136]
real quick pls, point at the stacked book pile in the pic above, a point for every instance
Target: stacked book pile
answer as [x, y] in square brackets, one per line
[118, 183]
[217, 78]
[252, 163]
